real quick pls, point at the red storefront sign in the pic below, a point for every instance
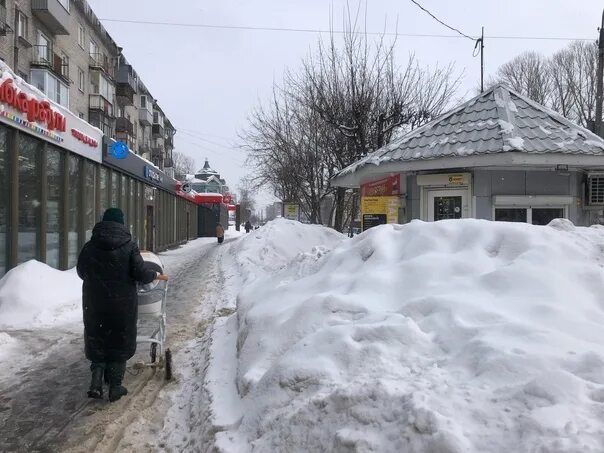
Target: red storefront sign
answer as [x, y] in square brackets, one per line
[390, 185]
[81, 136]
[37, 111]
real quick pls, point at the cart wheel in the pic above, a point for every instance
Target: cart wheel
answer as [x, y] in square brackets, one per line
[168, 364]
[153, 352]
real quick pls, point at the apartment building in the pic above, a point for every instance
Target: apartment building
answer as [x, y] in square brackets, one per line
[61, 47]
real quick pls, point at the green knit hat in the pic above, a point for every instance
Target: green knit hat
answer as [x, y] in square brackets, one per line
[113, 215]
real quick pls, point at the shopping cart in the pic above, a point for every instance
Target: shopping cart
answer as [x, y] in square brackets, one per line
[151, 325]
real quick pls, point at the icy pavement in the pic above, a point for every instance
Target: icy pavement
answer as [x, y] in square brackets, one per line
[43, 404]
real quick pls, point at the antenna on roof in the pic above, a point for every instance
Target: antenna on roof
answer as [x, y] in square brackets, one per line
[480, 42]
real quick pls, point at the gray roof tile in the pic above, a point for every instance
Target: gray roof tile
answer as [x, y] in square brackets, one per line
[497, 121]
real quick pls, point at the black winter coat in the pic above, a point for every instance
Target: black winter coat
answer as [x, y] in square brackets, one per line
[110, 264]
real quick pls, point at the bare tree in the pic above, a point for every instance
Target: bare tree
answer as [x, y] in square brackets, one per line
[566, 82]
[348, 99]
[183, 164]
[529, 74]
[247, 202]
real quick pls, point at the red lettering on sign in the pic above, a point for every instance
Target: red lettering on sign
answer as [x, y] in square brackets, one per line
[84, 138]
[37, 111]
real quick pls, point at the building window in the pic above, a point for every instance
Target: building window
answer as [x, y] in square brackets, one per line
[54, 205]
[3, 198]
[75, 187]
[94, 50]
[82, 36]
[64, 65]
[50, 85]
[29, 198]
[143, 102]
[81, 116]
[22, 25]
[510, 215]
[81, 80]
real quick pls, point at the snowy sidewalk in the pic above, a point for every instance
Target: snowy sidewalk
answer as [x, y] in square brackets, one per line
[43, 404]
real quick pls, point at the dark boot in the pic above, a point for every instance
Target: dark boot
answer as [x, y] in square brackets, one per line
[96, 383]
[116, 375]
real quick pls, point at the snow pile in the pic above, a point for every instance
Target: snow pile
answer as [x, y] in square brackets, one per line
[35, 295]
[446, 337]
[274, 245]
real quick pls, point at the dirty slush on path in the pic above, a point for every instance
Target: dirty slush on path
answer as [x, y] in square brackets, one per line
[44, 408]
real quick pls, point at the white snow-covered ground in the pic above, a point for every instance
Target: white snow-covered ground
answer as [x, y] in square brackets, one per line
[455, 336]
[447, 337]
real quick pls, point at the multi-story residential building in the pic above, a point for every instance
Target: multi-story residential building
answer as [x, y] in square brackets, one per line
[61, 47]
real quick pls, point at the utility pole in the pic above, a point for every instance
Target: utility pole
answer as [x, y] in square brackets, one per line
[480, 41]
[598, 129]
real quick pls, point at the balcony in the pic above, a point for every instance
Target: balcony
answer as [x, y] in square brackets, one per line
[126, 85]
[168, 163]
[157, 152]
[52, 14]
[169, 142]
[4, 27]
[145, 116]
[124, 125]
[99, 104]
[158, 131]
[43, 56]
[144, 148]
[100, 62]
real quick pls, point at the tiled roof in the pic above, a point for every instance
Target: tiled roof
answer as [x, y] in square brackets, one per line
[497, 121]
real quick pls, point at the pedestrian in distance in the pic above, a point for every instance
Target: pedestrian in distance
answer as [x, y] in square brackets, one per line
[219, 233]
[110, 265]
[248, 226]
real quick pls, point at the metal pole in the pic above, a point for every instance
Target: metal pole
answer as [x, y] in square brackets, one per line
[482, 61]
[599, 82]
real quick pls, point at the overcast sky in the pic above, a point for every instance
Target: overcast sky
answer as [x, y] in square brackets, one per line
[208, 80]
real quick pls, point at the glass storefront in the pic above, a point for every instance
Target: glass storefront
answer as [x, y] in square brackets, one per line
[104, 188]
[3, 198]
[30, 201]
[89, 198]
[73, 243]
[54, 204]
[51, 222]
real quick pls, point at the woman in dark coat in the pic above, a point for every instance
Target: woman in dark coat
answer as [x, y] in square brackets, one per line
[110, 264]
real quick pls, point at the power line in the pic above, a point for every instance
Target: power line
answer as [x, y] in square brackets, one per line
[440, 21]
[311, 30]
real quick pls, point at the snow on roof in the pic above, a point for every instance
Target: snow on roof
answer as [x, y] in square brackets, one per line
[498, 120]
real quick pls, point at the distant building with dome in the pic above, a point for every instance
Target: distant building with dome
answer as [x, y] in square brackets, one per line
[208, 180]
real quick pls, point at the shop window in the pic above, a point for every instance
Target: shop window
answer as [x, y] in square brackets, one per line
[535, 216]
[543, 216]
[104, 199]
[75, 187]
[54, 205]
[131, 209]
[29, 198]
[115, 190]
[89, 198]
[123, 199]
[510, 215]
[3, 198]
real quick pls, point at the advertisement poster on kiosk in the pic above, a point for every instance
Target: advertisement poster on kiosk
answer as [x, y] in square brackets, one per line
[380, 202]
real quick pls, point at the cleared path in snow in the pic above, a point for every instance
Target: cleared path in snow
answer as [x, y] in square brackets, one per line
[44, 406]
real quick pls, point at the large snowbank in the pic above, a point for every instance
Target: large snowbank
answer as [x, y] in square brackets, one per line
[455, 336]
[34, 295]
[275, 244]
